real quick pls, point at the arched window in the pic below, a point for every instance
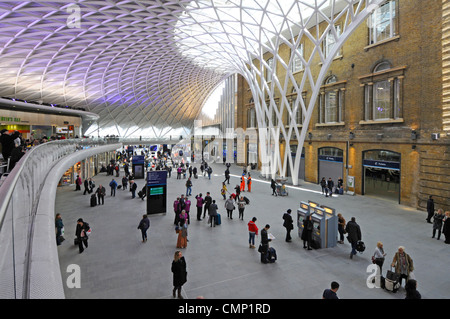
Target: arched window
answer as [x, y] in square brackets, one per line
[331, 101]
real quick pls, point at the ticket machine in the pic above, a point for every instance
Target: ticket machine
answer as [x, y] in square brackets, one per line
[331, 226]
[302, 213]
[319, 230]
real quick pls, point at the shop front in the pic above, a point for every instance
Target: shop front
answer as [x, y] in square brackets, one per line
[331, 164]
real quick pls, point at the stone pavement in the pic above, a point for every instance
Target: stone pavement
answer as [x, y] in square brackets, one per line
[117, 265]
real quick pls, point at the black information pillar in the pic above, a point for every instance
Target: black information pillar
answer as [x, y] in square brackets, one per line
[156, 192]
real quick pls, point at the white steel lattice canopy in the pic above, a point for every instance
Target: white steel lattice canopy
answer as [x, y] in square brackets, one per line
[146, 67]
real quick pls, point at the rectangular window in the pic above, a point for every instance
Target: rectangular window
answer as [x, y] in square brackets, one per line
[330, 40]
[383, 23]
[381, 100]
[297, 64]
[331, 111]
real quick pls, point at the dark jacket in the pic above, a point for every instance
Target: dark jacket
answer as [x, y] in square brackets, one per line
[100, 191]
[264, 237]
[207, 201]
[7, 142]
[354, 232]
[79, 228]
[307, 230]
[430, 205]
[144, 224]
[438, 220]
[288, 222]
[179, 272]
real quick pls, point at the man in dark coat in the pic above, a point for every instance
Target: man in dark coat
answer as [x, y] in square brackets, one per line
[7, 142]
[330, 185]
[265, 244]
[430, 209]
[288, 224]
[308, 227]
[354, 234]
[81, 233]
[207, 201]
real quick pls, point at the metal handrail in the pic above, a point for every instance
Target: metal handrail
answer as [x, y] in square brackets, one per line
[19, 197]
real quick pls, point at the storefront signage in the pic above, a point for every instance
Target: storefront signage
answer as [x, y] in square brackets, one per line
[9, 119]
[382, 164]
[338, 159]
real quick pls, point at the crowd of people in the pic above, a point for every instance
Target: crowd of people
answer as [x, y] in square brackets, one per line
[207, 209]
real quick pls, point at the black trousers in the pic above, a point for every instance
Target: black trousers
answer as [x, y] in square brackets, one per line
[82, 241]
[199, 212]
[101, 198]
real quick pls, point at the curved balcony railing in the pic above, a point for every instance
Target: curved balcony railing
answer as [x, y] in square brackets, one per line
[29, 265]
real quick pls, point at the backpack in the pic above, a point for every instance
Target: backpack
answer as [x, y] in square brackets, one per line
[360, 246]
[247, 201]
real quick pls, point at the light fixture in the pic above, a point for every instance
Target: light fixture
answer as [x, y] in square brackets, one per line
[413, 135]
[380, 136]
[329, 136]
[435, 136]
[351, 135]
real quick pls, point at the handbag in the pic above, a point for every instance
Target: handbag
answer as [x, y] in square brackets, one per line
[260, 248]
[373, 259]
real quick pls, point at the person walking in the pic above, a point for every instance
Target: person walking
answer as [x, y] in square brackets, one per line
[223, 191]
[86, 187]
[209, 171]
[188, 187]
[411, 290]
[207, 201]
[124, 182]
[264, 249]
[430, 209]
[354, 234]
[199, 206]
[446, 228]
[101, 192]
[341, 228]
[437, 223]
[273, 185]
[249, 183]
[91, 185]
[227, 176]
[144, 225]
[241, 207]
[288, 224]
[212, 212]
[378, 256]
[403, 264]
[229, 206]
[81, 233]
[307, 232]
[252, 232]
[330, 185]
[59, 225]
[237, 190]
[332, 292]
[113, 185]
[179, 273]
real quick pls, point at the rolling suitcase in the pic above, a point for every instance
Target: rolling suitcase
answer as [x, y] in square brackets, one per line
[218, 220]
[93, 200]
[272, 255]
[392, 281]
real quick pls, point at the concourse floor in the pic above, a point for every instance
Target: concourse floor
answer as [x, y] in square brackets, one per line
[220, 263]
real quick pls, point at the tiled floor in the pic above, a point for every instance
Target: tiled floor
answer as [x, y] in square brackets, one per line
[220, 263]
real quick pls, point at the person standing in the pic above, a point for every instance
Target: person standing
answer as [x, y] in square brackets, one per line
[78, 183]
[446, 228]
[81, 233]
[209, 170]
[182, 230]
[307, 232]
[249, 183]
[179, 273]
[430, 209]
[212, 212]
[237, 190]
[188, 187]
[208, 201]
[379, 255]
[265, 244]
[341, 228]
[101, 192]
[176, 209]
[331, 293]
[59, 229]
[91, 185]
[144, 225]
[288, 224]
[113, 185]
[199, 206]
[354, 234]
[403, 264]
[229, 206]
[133, 188]
[437, 223]
[241, 207]
[411, 290]
[252, 232]
[323, 184]
[124, 182]
[242, 183]
[187, 209]
[223, 191]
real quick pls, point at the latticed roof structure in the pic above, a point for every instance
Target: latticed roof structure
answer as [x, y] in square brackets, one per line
[146, 67]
